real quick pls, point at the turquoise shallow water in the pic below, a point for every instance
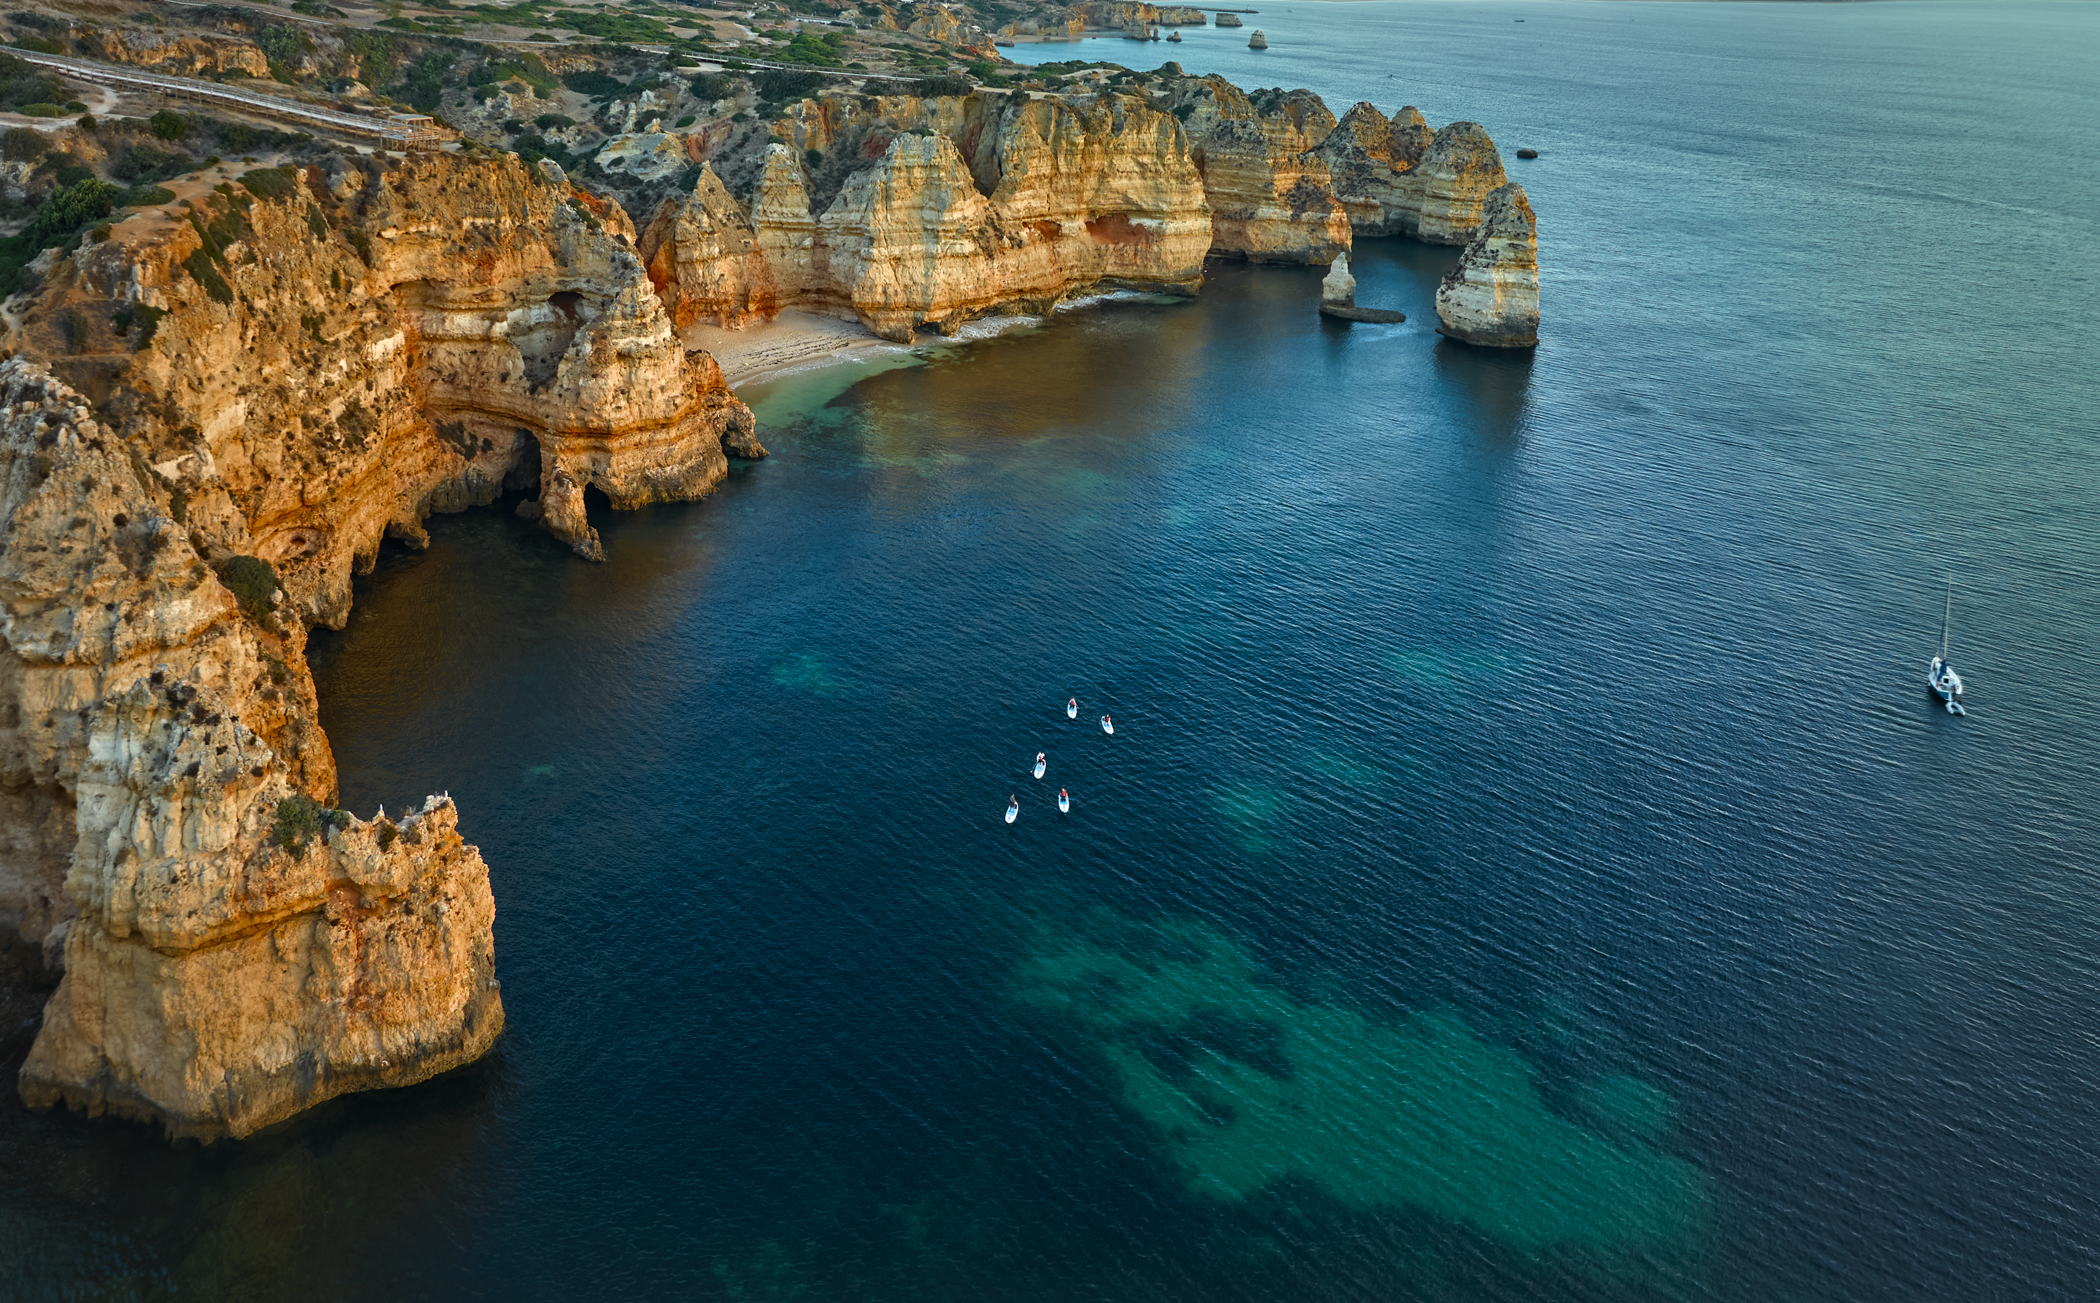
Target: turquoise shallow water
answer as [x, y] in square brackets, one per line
[1527, 864]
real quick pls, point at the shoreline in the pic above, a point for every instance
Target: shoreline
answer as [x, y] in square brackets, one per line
[798, 340]
[795, 340]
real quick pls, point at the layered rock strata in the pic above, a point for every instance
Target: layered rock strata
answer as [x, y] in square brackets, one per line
[246, 400]
[1446, 193]
[1052, 197]
[1271, 196]
[864, 206]
[1491, 297]
[1370, 158]
[237, 952]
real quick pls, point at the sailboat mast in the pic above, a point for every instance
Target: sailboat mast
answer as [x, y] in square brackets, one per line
[1946, 617]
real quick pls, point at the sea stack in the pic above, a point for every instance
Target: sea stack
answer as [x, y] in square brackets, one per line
[1492, 297]
[1339, 289]
[1338, 297]
[1257, 41]
[1230, 20]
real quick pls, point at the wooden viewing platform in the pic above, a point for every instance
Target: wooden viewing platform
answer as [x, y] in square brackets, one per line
[400, 130]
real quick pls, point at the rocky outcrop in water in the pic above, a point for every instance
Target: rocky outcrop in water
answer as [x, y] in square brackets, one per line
[1491, 297]
[1338, 297]
[238, 405]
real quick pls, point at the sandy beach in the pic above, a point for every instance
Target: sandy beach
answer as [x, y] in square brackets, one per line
[794, 340]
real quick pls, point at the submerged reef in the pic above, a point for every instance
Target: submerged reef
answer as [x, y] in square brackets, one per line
[1246, 1086]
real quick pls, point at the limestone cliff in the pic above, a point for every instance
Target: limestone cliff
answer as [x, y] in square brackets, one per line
[1133, 187]
[1446, 192]
[261, 389]
[239, 951]
[1052, 197]
[1369, 156]
[381, 342]
[1271, 196]
[1492, 296]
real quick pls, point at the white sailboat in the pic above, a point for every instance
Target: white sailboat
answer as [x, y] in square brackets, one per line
[1941, 678]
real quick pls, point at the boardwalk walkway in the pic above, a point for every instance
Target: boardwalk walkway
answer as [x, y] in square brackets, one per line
[402, 131]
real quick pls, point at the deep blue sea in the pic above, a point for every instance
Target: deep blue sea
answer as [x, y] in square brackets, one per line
[1527, 866]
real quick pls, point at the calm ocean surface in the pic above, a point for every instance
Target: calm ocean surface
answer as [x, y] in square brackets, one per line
[1527, 865]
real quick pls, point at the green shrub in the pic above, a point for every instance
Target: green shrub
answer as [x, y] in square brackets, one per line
[70, 173]
[145, 196]
[807, 47]
[716, 85]
[777, 85]
[142, 162]
[270, 182]
[814, 157]
[253, 581]
[685, 121]
[22, 144]
[41, 111]
[422, 83]
[146, 318]
[931, 87]
[198, 265]
[168, 125]
[42, 45]
[243, 138]
[65, 213]
[316, 223]
[592, 82]
[22, 82]
[549, 121]
[302, 822]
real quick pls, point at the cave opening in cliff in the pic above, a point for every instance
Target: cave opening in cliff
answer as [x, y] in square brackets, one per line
[596, 506]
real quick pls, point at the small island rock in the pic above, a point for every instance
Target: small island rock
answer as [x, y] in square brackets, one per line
[1257, 42]
[1338, 297]
[1491, 297]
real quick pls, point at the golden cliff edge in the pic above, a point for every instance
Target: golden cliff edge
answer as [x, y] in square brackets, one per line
[210, 420]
